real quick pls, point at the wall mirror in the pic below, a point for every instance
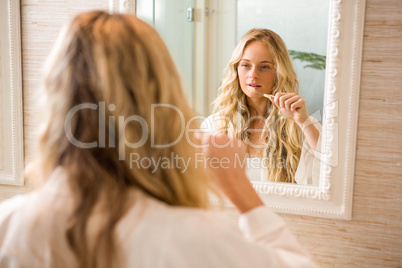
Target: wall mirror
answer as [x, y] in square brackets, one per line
[11, 122]
[214, 29]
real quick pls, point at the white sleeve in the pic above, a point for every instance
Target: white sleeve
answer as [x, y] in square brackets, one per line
[308, 170]
[7, 262]
[265, 228]
[262, 241]
[7, 209]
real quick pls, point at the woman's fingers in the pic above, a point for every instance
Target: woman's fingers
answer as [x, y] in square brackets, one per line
[280, 98]
[296, 105]
[288, 101]
[291, 105]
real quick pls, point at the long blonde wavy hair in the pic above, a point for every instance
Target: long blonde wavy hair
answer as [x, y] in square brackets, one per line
[118, 61]
[283, 141]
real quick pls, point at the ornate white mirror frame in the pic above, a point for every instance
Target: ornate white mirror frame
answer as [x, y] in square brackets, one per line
[333, 197]
[11, 124]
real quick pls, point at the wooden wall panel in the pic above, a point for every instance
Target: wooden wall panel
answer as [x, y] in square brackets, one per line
[373, 238]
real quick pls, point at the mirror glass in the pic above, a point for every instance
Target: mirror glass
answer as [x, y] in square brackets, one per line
[303, 25]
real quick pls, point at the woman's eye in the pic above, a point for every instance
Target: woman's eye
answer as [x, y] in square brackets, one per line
[244, 65]
[265, 67]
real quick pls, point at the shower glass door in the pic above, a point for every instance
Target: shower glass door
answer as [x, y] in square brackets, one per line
[173, 19]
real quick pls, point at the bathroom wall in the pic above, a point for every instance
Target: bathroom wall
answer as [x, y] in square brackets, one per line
[41, 21]
[373, 238]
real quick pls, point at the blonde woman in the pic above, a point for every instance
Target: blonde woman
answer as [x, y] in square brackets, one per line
[273, 125]
[103, 199]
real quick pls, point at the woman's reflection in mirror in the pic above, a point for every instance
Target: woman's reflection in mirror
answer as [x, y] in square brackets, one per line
[258, 102]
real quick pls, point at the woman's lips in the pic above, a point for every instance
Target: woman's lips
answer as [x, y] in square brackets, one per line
[253, 85]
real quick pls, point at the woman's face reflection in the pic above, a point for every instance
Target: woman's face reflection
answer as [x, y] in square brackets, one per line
[256, 69]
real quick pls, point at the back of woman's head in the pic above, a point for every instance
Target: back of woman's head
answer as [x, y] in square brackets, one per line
[112, 97]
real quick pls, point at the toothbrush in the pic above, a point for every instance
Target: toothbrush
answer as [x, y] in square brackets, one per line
[268, 96]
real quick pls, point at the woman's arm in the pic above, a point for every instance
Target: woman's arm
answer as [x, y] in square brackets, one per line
[310, 132]
[265, 239]
[231, 178]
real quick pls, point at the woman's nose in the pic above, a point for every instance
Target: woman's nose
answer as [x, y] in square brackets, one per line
[253, 73]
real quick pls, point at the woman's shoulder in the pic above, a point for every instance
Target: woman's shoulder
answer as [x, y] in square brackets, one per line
[178, 221]
[176, 226]
[182, 217]
[10, 206]
[205, 229]
[11, 222]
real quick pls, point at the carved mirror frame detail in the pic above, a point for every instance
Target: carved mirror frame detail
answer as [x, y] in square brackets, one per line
[333, 197]
[11, 94]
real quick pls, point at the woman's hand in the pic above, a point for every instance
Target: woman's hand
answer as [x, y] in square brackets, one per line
[292, 106]
[225, 163]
